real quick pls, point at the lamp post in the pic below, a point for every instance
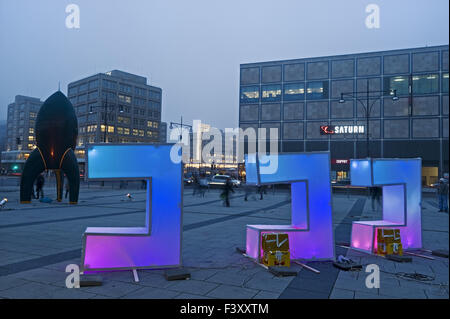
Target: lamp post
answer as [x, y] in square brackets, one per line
[105, 107]
[105, 122]
[181, 125]
[368, 107]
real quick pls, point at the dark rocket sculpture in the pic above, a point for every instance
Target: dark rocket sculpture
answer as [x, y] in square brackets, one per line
[56, 137]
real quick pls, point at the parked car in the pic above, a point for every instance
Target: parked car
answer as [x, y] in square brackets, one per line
[220, 180]
[187, 181]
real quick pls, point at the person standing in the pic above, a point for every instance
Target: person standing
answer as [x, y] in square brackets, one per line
[66, 187]
[40, 181]
[376, 197]
[443, 194]
[226, 192]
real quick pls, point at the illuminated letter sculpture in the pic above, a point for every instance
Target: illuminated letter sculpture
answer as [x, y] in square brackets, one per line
[156, 245]
[311, 230]
[402, 193]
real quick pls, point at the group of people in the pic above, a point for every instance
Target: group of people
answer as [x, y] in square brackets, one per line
[39, 184]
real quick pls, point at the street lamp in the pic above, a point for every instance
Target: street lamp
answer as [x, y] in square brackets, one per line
[368, 107]
[105, 107]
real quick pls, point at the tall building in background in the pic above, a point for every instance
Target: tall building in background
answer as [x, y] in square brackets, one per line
[2, 135]
[20, 138]
[116, 107]
[298, 97]
[20, 123]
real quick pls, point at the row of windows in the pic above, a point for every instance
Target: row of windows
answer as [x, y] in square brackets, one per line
[94, 108]
[421, 84]
[107, 84]
[111, 129]
[112, 139]
[293, 91]
[112, 96]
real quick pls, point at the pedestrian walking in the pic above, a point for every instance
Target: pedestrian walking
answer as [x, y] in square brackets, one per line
[261, 191]
[442, 190]
[40, 181]
[375, 193]
[66, 187]
[228, 187]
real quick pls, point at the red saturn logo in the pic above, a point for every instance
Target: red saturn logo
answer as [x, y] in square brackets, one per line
[325, 129]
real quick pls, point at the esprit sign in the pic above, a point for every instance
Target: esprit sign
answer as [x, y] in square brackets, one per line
[342, 129]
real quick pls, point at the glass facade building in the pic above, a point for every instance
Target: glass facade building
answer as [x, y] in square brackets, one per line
[299, 96]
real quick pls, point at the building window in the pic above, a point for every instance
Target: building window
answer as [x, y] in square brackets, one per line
[123, 119]
[317, 90]
[73, 90]
[399, 83]
[294, 91]
[93, 84]
[126, 131]
[423, 84]
[271, 93]
[119, 130]
[155, 95]
[83, 87]
[250, 94]
[125, 88]
[445, 82]
[109, 84]
[135, 132]
[141, 132]
[82, 98]
[124, 98]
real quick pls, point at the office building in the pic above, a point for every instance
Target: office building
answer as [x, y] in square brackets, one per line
[319, 103]
[116, 107]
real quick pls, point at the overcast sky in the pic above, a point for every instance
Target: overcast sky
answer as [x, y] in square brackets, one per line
[193, 49]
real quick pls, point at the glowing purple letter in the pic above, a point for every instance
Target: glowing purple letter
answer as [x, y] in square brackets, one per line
[158, 243]
[402, 195]
[311, 229]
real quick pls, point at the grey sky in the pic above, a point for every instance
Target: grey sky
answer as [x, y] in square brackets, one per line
[192, 49]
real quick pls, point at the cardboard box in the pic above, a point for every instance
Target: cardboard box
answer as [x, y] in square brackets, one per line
[275, 241]
[277, 258]
[389, 241]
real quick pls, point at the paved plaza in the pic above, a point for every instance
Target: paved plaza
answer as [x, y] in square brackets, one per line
[38, 241]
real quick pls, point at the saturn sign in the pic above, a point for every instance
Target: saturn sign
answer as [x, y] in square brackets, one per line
[342, 129]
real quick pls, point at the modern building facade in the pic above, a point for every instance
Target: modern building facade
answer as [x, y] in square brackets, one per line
[20, 123]
[19, 133]
[116, 107]
[302, 98]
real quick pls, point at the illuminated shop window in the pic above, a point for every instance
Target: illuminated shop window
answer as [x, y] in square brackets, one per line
[110, 129]
[271, 93]
[399, 83]
[317, 90]
[249, 94]
[424, 84]
[294, 91]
